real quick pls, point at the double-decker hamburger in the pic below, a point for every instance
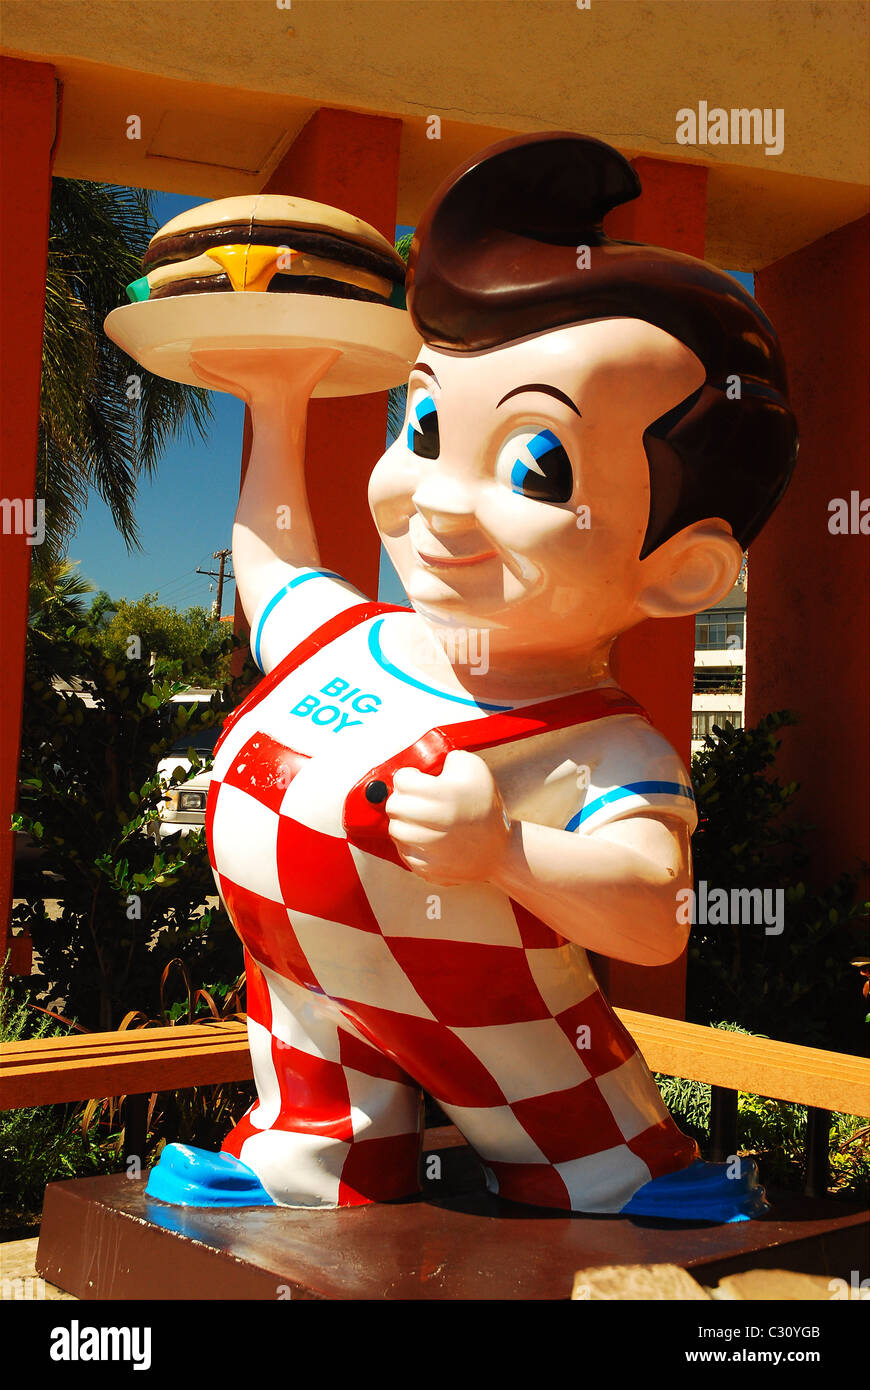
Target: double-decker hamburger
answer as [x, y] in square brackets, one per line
[270, 244]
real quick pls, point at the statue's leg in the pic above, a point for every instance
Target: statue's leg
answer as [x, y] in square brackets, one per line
[583, 1126]
[336, 1122]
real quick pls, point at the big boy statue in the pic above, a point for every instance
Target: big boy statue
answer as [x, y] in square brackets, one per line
[422, 819]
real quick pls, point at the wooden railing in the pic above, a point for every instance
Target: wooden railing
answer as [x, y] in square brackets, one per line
[136, 1063]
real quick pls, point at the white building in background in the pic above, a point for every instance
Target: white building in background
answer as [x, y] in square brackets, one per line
[720, 664]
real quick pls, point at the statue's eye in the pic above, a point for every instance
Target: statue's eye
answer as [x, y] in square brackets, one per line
[536, 465]
[422, 435]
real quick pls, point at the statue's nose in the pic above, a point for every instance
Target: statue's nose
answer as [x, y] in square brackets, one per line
[445, 503]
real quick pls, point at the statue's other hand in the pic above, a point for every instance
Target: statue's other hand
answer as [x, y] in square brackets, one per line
[450, 827]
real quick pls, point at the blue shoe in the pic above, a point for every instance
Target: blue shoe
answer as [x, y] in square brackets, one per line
[702, 1192]
[190, 1177]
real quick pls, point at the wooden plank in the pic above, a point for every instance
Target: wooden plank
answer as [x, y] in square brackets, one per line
[182, 1035]
[123, 1063]
[51, 1070]
[762, 1066]
[128, 1076]
[66, 1062]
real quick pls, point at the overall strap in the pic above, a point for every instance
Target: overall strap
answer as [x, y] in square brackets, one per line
[308, 647]
[365, 820]
[546, 716]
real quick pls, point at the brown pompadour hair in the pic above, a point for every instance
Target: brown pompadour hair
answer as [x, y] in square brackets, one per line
[495, 258]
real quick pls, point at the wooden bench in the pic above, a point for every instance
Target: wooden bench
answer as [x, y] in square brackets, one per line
[136, 1063]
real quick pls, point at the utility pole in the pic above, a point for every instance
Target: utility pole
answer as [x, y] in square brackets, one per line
[221, 556]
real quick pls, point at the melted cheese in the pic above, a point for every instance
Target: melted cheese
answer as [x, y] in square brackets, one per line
[248, 267]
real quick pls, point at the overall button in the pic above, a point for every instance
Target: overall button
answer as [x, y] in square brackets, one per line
[376, 792]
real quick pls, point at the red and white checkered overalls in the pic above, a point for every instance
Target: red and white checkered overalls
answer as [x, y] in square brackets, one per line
[366, 983]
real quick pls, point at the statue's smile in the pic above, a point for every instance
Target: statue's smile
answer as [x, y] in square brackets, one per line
[452, 561]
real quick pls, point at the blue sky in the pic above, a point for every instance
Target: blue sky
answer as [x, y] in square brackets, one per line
[185, 513]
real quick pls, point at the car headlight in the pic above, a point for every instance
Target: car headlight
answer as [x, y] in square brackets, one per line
[191, 801]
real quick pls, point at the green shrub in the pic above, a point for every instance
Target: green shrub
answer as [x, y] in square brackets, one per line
[89, 793]
[43, 1144]
[797, 986]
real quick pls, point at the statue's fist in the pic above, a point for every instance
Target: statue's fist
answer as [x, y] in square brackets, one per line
[452, 827]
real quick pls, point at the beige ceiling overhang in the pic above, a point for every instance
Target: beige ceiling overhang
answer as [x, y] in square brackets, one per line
[222, 87]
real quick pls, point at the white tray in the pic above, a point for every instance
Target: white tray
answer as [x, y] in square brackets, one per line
[379, 344]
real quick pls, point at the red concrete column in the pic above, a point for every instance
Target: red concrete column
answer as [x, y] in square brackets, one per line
[808, 613]
[28, 108]
[351, 161]
[655, 662]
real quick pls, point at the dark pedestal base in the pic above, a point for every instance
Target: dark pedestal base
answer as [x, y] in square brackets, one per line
[103, 1239]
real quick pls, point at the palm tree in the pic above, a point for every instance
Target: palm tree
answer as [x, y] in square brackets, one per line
[95, 431]
[57, 591]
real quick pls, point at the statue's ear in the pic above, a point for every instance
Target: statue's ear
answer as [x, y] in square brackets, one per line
[690, 571]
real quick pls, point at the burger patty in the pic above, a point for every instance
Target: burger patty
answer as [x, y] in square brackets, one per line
[168, 250]
[281, 284]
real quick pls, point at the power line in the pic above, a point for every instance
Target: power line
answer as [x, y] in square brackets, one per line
[179, 578]
[187, 597]
[187, 587]
[190, 585]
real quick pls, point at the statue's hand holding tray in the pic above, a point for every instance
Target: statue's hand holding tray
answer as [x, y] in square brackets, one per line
[238, 277]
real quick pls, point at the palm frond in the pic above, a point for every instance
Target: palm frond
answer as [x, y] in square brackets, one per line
[403, 246]
[95, 432]
[56, 593]
[397, 402]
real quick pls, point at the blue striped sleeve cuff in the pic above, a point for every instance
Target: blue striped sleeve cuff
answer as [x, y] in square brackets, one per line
[269, 607]
[641, 790]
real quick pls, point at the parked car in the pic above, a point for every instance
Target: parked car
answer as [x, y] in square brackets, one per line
[183, 807]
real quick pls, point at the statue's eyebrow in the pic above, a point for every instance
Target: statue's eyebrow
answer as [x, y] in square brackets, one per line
[547, 391]
[424, 367]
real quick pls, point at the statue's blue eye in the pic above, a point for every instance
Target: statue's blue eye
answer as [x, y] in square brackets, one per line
[423, 438]
[541, 468]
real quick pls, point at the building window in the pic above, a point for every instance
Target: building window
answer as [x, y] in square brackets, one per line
[719, 680]
[720, 629]
[703, 721]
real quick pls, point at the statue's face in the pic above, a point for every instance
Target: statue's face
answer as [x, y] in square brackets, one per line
[517, 495]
